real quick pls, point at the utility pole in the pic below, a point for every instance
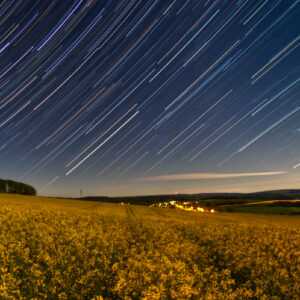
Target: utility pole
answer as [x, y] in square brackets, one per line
[80, 193]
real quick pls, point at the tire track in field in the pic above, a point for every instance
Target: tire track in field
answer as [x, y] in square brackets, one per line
[158, 211]
[130, 212]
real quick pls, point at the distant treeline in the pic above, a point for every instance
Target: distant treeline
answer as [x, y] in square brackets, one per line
[284, 204]
[13, 187]
[209, 199]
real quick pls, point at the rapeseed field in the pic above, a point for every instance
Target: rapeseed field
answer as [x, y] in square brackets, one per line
[67, 249]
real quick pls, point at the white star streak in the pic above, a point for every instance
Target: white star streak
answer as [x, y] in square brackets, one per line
[268, 129]
[84, 159]
[49, 183]
[13, 115]
[296, 166]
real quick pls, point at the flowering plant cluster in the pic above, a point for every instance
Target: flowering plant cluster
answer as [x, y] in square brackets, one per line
[107, 251]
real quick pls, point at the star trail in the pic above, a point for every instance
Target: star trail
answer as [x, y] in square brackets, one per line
[121, 97]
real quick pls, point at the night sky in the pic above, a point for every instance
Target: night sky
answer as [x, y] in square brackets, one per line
[147, 97]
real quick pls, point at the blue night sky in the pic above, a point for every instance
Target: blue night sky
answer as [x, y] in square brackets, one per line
[147, 97]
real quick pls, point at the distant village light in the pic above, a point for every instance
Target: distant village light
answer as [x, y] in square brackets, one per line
[189, 206]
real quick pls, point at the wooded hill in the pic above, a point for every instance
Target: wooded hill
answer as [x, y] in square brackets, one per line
[13, 187]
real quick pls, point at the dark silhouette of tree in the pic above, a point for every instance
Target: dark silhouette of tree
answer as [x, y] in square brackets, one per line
[13, 187]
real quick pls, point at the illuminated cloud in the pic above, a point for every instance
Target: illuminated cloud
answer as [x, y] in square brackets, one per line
[195, 176]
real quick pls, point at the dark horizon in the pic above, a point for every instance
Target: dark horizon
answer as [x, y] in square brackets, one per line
[227, 194]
